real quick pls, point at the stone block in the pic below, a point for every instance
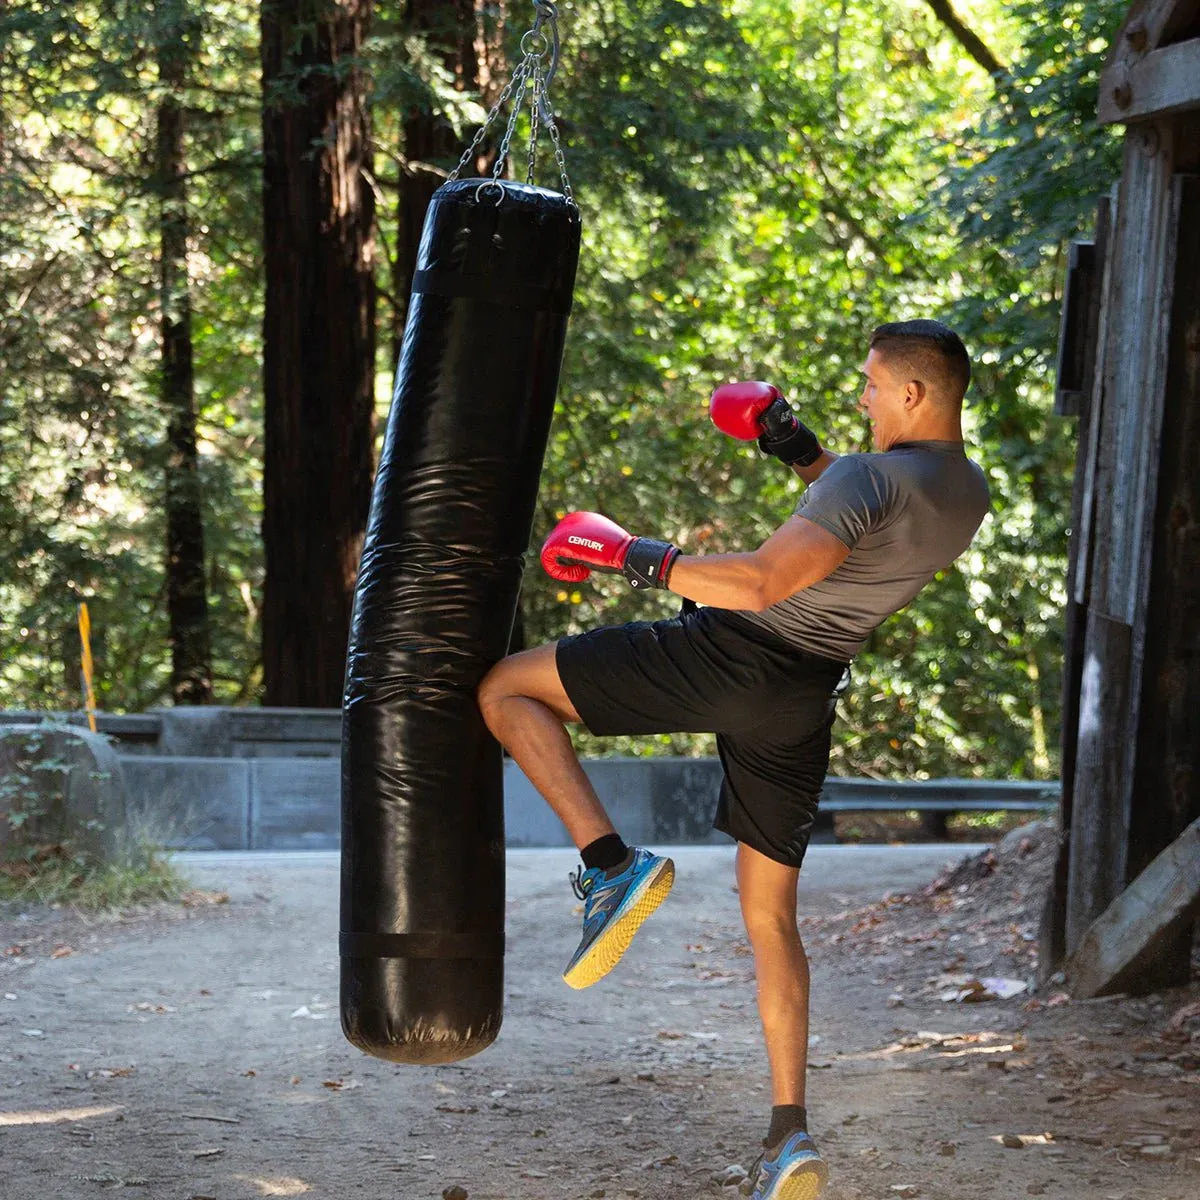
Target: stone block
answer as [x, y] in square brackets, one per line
[190, 803]
[295, 803]
[70, 783]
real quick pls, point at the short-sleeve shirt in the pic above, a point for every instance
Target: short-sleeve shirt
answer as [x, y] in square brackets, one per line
[905, 514]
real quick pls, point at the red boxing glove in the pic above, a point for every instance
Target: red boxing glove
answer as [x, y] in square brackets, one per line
[757, 411]
[583, 542]
[737, 408]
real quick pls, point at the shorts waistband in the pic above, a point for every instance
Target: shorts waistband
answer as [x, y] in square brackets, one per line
[767, 638]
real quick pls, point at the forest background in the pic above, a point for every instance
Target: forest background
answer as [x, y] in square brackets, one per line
[761, 184]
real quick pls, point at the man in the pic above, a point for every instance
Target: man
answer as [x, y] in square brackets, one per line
[761, 663]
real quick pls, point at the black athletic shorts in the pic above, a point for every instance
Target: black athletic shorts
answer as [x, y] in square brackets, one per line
[711, 671]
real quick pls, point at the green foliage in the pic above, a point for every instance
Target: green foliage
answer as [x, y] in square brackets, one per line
[761, 185]
[61, 883]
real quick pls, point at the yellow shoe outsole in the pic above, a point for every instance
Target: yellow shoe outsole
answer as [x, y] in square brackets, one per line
[806, 1184]
[606, 951]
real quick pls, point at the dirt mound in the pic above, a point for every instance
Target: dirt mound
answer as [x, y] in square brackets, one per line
[977, 919]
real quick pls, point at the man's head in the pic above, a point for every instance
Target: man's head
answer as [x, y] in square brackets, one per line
[916, 375]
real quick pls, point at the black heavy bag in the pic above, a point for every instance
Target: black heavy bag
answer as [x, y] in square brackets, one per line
[422, 939]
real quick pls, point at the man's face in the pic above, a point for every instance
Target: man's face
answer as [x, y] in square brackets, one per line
[882, 402]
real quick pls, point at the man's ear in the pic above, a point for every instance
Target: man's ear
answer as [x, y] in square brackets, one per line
[914, 393]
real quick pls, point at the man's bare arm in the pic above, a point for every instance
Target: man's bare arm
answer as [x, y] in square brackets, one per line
[797, 555]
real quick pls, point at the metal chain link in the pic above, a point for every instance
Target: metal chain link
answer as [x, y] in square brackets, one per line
[535, 112]
[530, 75]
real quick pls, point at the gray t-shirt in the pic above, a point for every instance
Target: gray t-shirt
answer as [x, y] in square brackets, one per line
[905, 514]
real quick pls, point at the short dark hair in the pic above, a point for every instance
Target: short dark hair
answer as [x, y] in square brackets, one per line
[933, 352]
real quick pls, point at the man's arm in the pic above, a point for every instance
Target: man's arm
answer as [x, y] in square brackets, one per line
[797, 555]
[813, 471]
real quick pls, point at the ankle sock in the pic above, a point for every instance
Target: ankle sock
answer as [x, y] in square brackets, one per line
[786, 1119]
[605, 852]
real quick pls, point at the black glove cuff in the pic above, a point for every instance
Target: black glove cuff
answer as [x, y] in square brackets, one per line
[648, 563]
[799, 448]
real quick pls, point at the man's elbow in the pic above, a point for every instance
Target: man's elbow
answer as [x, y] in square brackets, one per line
[766, 591]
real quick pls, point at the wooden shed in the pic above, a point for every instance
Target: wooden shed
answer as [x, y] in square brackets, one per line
[1124, 902]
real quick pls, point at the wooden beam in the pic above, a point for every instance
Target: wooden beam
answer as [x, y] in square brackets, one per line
[1164, 81]
[1118, 952]
[1052, 926]
[1166, 781]
[1079, 300]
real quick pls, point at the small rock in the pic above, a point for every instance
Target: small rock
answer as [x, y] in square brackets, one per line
[1035, 1189]
[645, 1077]
[905, 1189]
[598, 1194]
[1011, 1141]
[1156, 1152]
[732, 1174]
[895, 1001]
[948, 1149]
[454, 1192]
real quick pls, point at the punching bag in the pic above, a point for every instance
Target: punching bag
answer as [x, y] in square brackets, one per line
[422, 889]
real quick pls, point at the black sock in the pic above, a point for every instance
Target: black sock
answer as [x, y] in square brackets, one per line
[786, 1119]
[605, 852]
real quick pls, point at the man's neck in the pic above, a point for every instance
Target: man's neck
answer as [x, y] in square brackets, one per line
[930, 431]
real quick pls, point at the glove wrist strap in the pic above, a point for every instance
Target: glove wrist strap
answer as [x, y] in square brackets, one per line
[648, 563]
[799, 448]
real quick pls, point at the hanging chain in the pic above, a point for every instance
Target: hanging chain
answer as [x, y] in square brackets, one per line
[535, 112]
[530, 76]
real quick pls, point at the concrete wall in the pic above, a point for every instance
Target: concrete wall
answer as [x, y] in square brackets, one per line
[295, 804]
[200, 803]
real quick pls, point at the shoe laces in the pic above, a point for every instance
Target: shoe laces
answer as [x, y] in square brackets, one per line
[580, 885]
[747, 1186]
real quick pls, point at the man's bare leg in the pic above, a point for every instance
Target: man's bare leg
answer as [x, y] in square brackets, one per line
[767, 890]
[526, 708]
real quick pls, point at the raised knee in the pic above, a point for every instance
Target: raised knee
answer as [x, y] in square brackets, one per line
[492, 691]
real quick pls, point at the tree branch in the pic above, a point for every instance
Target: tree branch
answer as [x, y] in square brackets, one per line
[968, 40]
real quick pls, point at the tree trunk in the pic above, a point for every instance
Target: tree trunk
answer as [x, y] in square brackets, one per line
[319, 335]
[187, 596]
[469, 36]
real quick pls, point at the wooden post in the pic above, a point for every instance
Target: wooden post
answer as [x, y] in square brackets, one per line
[1093, 302]
[1121, 951]
[1119, 521]
[1166, 787]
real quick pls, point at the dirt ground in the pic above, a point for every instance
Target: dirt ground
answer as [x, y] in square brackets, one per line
[194, 1051]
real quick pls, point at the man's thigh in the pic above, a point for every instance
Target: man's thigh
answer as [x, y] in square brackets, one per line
[647, 677]
[532, 674]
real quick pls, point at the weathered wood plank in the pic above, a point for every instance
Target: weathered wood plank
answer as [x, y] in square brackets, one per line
[1076, 333]
[1166, 780]
[1118, 952]
[1079, 574]
[1141, 284]
[1163, 82]
[1099, 822]
[1052, 927]
[1122, 487]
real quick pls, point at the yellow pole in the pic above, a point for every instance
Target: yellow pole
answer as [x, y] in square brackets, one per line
[85, 638]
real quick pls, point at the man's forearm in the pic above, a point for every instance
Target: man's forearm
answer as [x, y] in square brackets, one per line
[813, 471]
[720, 580]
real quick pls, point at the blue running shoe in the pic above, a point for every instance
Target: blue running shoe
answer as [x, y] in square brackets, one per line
[613, 911]
[796, 1171]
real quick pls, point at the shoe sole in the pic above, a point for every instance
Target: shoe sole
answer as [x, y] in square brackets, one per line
[806, 1181]
[607, 949]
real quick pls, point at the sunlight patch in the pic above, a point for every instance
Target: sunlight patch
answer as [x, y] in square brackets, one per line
[51, 1116]
[282, 1185]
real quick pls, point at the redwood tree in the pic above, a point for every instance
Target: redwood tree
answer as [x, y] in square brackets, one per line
[187, 595]
[319, 334]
